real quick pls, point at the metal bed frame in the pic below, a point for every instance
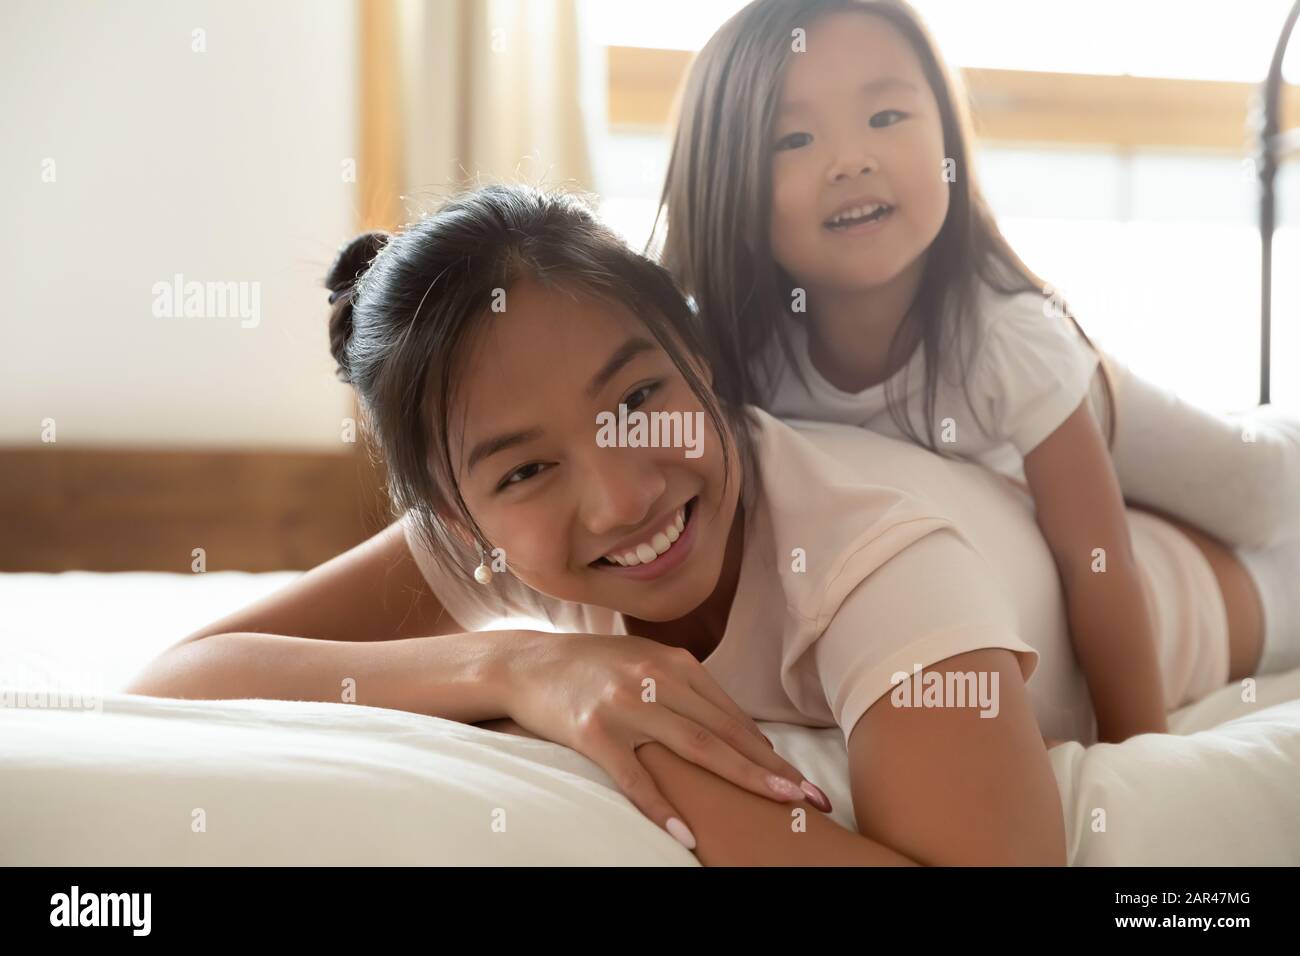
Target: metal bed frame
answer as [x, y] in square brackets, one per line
[1274, 146]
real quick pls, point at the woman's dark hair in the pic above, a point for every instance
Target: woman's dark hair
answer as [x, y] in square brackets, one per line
[406, 306]
[716, 202]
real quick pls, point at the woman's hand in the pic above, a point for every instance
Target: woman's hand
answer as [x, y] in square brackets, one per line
[504, 725]
[606, 695]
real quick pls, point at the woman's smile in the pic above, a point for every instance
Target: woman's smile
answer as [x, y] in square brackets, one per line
[571, 514]
[660, 552]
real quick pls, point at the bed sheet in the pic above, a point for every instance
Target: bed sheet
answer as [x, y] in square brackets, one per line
[145, 781]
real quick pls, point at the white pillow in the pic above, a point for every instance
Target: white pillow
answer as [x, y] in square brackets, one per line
[152, 781]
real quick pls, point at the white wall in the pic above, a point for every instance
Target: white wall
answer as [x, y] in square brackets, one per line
[223, 166]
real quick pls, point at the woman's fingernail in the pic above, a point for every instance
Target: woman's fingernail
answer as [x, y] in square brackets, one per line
[783, 788]
[816, 796]
[681, 832]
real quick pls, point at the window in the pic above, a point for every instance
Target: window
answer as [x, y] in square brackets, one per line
[1113, 145]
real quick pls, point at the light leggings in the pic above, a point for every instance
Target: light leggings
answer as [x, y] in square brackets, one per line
[1234, 475]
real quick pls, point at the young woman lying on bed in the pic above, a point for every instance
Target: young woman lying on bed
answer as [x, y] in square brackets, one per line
[727, 569]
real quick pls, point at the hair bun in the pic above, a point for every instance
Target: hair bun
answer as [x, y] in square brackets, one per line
[349, 266]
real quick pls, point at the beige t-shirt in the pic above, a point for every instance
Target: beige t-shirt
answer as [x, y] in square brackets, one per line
[1027, 370]
[907, 559]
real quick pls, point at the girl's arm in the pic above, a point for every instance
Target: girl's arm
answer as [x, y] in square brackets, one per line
[1080, 509]
[939, 786]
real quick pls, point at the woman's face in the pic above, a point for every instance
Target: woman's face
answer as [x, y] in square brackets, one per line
[857, 126]
[539, 477]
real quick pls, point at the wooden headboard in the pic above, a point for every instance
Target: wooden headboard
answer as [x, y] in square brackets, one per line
[117, 509]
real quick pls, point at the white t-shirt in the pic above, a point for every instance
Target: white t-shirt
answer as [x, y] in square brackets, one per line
[908, 559]
[1027, 371]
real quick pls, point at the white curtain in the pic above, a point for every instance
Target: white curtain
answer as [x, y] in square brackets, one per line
[490, 92]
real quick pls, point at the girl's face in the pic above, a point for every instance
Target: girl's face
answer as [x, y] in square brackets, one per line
[541, 481]
[857, 126]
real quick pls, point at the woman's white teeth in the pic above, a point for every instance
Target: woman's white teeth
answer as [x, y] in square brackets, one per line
[647, 551]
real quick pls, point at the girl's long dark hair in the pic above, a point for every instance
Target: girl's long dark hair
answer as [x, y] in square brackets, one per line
[405, 307]
[716, 206]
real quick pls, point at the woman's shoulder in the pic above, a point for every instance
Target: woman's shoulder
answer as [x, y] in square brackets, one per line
[874, 573]
[838, 502]
[828, 460]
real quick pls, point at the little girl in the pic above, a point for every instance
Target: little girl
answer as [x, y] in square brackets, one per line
[823, 215]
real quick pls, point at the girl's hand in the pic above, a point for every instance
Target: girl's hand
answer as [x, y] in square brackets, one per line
[606, 695]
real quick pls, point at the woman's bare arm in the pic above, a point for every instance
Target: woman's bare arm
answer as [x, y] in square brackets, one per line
[734, 827]
[372, 592]
[934, 786]
[363, 627]
[454, 676]
[950, 787]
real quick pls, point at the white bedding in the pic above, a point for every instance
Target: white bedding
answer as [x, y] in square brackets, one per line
[151, 781]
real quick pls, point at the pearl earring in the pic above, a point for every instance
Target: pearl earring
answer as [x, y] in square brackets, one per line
[482, 574]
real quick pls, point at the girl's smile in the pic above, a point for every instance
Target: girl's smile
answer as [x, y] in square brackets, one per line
[860, 219]
[859, 210]
[858, 192]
